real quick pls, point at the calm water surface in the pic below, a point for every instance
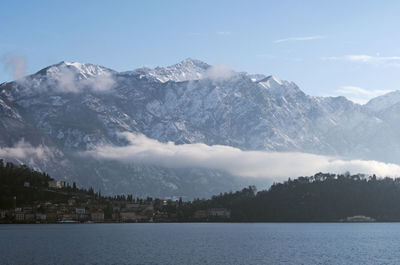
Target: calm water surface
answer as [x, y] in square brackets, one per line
[201, 243]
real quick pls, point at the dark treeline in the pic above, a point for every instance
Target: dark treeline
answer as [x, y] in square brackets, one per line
[322, 197]
[12, 181]
[27, 186]
[15, 178]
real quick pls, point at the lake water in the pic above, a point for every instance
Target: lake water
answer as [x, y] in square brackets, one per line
[201, 243]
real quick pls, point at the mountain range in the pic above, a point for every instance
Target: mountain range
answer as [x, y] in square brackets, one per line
[64, 110]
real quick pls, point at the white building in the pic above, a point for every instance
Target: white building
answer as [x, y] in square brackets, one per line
[55, 184]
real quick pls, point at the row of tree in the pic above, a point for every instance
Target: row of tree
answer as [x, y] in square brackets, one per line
[20, 185]
[322, 197]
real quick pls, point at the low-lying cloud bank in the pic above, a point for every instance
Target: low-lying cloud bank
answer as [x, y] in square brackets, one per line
[271, 165]
[23, 150]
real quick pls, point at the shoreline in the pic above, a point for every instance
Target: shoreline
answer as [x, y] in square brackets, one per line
[200, 222]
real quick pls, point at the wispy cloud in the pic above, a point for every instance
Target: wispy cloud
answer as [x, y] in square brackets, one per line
[15, 64]
[359, 95]
[269, 165]
[306, 38]
[282, 58]
[224, 33]
[24, 150]
[363, 58]
[218, 72]
[267, 55]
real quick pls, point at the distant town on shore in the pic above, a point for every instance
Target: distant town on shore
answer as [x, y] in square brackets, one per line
[28, 196]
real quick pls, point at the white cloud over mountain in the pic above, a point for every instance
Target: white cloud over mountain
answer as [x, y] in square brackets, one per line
[24, 150]
[218, 72]
[270, 165]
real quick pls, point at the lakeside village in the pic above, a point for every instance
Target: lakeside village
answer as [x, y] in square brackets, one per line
[91, 207]
[29, 196]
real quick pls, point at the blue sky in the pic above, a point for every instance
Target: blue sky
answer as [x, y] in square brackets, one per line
[347, 48]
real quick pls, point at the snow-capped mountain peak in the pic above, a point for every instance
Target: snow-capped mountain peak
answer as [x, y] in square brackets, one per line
[188, 69]
[63, 77]
[273, 80]
[279, 87]
[191, 63]
[82, 70]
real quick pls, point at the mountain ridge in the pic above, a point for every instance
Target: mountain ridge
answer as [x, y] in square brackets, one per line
[76, 107]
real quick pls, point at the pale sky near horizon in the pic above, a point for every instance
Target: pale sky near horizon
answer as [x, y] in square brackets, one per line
[349, 48]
